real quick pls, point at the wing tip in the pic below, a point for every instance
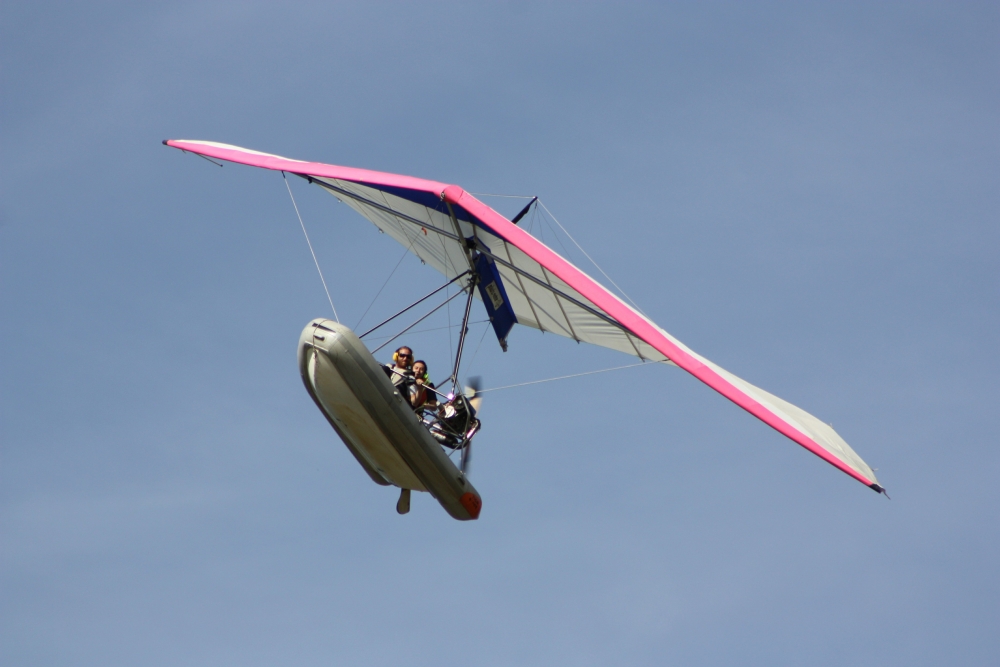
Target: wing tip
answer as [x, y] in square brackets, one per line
[878, 488]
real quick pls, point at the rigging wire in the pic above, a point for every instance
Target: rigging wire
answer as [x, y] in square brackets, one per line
[424, 331]
[590, 258]
[481, 338]
[450, 346]
[559, 238]
[414, 304]
[488, 194]
[422, 318]
[217, 164]
[565, 377]
[313, 252]
[405, 252]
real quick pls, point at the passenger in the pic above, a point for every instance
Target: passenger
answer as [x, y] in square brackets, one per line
[422, 394]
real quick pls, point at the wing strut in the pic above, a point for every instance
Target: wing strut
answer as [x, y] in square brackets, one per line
[465, 329]
[417, 302]
[418, 321]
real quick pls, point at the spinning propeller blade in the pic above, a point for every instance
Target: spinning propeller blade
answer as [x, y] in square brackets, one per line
[466, 458]
[472, 386]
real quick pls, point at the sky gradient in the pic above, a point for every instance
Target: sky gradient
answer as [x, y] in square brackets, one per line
[807, 195]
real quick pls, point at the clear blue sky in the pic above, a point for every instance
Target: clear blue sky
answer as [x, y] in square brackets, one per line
[807, 195]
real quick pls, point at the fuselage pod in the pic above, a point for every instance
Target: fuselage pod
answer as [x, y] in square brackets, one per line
[375, 422]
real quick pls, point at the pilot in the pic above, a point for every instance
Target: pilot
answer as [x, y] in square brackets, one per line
[422, 394]
[400, 372]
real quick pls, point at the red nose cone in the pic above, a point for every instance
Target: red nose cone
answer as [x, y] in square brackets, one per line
[472, 504]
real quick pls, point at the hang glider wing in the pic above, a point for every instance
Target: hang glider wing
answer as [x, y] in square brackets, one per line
[523, 281]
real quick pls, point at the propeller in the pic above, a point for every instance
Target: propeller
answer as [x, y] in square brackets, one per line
[472, 386]
[466, 460]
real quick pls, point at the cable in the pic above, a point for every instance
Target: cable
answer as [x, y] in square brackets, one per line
[481, 339]
[488, 194]
[591, 258]
[564, 377]
[422, 318]
[423, 331]
[405, 252]
[309, 243]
